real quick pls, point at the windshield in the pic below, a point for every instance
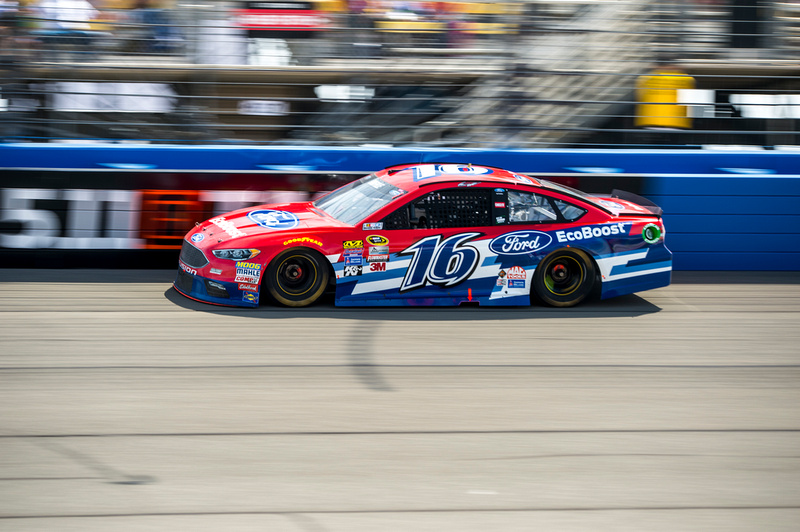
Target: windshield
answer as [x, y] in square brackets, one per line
[354, 202]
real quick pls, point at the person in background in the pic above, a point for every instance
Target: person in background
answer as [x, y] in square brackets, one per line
[157, 34]
[65, 25]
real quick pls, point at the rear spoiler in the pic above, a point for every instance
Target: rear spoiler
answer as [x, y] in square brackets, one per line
[638, 200]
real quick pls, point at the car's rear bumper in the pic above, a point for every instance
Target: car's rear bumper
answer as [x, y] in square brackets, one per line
[635, 271]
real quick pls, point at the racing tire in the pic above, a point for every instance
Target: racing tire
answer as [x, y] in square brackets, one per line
[297, 277]
[564, 278]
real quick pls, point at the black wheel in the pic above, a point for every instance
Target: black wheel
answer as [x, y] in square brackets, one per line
[564, 278]
[297, 277]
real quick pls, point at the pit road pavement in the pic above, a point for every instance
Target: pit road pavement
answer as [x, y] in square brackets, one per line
[126, 407]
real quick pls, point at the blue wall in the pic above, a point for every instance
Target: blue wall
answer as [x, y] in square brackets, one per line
[730, 222]
[724, 210]
[300, 159]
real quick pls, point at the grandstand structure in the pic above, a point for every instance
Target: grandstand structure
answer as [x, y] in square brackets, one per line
[516, 74]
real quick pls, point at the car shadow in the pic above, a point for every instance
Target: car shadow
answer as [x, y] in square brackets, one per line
[628, 306]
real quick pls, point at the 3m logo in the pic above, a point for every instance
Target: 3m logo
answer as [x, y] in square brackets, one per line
[377, 267]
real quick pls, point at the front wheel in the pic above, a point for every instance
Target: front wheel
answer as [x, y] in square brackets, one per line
[564, 278]
[297, 277]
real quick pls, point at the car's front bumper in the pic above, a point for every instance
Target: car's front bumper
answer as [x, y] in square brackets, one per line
[214, 291]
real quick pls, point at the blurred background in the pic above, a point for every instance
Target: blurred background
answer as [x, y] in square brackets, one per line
[518, 74]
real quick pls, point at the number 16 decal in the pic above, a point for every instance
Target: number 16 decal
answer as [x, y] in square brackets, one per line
[441, 262]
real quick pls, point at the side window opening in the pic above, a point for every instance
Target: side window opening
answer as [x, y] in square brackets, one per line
[444, 209]
[399, 219]
[569, 211]
[530, 208]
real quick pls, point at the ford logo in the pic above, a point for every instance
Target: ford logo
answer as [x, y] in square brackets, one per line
[272, 219]
[520, 242]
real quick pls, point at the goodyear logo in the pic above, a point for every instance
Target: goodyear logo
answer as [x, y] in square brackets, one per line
[350, 244]
[301, 240]
[378, 240]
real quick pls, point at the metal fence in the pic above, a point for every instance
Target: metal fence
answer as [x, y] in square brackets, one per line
[522, 74]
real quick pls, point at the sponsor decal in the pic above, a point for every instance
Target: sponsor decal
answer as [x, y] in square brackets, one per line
[500, 219]
[651, 233]
[378, 250]
[499, 191]
[377, 267]
[520, 242]
[501, 282]
[584, 233]
[378, 258]
[499, 204]
[517, 272]
[248, 272]
[355, 252]
[614, 206]
[523, 179]
[198, 237]
[441, 262]
[350, 271]
[427, 171]
[215, 271]
[350, 244]
[354, 261]
[248, 296]
[187, 269]
[468, 184]
[378, 240]
[273, 219]
[374, 226]
[516, 276]
[302, 240]
[248, 287]
[501, 273]
[227, 226]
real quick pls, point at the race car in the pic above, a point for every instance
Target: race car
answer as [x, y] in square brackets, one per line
[430, 235]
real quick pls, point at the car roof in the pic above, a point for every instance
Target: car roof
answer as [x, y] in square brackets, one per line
[413, 176]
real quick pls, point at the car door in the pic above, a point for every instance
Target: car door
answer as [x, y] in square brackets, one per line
[433, 247]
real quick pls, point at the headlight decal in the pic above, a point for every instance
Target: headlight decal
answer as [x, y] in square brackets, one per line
[236, 254]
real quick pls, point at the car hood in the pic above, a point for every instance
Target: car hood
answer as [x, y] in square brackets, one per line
[264, 220]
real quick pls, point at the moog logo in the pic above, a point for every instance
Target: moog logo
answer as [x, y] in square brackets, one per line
[520, 242]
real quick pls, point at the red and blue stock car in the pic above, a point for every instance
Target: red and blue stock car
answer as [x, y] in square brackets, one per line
[430, 234]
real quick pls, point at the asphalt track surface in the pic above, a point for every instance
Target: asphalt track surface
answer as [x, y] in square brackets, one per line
[126, 407]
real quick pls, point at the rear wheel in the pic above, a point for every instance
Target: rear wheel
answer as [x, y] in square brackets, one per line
[297, 277]
[564, 278]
